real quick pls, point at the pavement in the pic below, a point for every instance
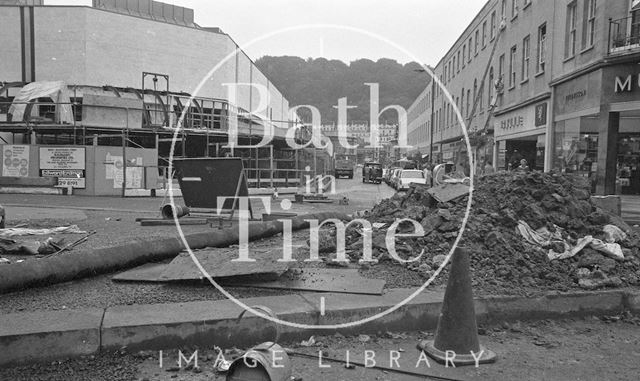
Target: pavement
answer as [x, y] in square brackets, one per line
[49, 335]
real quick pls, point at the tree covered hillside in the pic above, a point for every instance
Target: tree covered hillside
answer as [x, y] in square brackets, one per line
[321, 82]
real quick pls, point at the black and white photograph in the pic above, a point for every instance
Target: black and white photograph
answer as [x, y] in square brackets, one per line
[316, 190]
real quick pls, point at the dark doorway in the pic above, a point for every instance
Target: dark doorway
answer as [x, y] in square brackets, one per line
[517, 150]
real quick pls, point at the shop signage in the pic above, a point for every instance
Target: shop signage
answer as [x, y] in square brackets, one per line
[65, 163]
[541, 115]
[512, 123]
[626, 84]
[525, 119]
[575, 95]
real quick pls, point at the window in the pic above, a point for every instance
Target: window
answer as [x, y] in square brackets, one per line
[501, 68]
[475, 90]
[469, 102]
[464, 52]
[458, 67]
[453, 71]
[445, 74]
[570, 40]
[484, 33]
[491, 85]
[503, 9]
[542, 47]
[481, 97]
[476, 45]
[514, 9]
[512, 66]
[526, 44]
[493, 25]
[470, 43]
[526, 3]
[589, 31]
[462, 104]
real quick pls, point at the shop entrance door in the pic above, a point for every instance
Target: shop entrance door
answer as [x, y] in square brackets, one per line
[525, 148]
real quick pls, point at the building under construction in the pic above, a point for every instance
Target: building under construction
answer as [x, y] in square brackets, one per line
[95, 98]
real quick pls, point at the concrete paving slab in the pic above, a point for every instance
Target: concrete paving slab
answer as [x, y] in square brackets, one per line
[38, 336]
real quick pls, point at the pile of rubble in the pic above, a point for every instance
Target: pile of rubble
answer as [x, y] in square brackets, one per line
[502, 258]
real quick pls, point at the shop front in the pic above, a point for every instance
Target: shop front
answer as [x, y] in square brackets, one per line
[520, 134]
[597, 128]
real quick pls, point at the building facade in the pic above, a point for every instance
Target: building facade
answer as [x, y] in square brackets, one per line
[113, 43]
[555, 82]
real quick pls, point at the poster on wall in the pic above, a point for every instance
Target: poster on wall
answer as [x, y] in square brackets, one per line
[66, 163]
[15, 160]
[114, 172]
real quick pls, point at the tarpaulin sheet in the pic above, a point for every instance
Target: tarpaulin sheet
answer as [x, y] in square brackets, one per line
[56, 90]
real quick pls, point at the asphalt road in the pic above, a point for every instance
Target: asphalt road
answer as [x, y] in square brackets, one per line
[113, 219]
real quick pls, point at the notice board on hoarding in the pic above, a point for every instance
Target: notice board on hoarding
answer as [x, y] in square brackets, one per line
[15, 160]
[68, 164]
[202, 181]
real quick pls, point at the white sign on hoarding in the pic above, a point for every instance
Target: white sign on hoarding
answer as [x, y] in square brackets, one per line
[65, 163]
[15, 160]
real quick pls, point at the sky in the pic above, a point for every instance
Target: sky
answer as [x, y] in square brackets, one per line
[411, 30]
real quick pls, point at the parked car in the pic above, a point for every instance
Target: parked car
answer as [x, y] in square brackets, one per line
[408, 176]
[388, 174]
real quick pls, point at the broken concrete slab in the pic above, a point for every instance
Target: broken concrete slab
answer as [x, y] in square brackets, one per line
[150, 272]
[448, 192]
[219, 263]
[347, 281]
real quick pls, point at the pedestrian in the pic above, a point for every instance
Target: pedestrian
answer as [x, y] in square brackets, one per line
[488, 168]
[523, 167]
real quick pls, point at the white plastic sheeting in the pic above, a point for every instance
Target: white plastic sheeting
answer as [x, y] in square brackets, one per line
[56, 90]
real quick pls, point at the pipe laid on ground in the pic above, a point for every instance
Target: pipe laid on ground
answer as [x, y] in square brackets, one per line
[88, 262]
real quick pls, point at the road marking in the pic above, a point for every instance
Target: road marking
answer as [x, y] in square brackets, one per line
[191, 179]
[322, 306]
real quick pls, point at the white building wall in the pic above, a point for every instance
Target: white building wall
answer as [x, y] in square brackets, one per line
[88, 46]
[10, 45]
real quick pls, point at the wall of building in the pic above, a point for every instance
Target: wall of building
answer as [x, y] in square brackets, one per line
[10, 42]
[83, 45]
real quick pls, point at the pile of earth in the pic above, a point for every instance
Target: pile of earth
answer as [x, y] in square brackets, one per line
[501, 259]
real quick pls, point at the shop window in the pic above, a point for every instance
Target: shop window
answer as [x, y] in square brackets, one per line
[576, 149]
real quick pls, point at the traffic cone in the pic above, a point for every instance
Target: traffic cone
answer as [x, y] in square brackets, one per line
[456, 339]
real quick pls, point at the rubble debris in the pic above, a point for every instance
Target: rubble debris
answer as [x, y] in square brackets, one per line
[29, 247]
[552, 210]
